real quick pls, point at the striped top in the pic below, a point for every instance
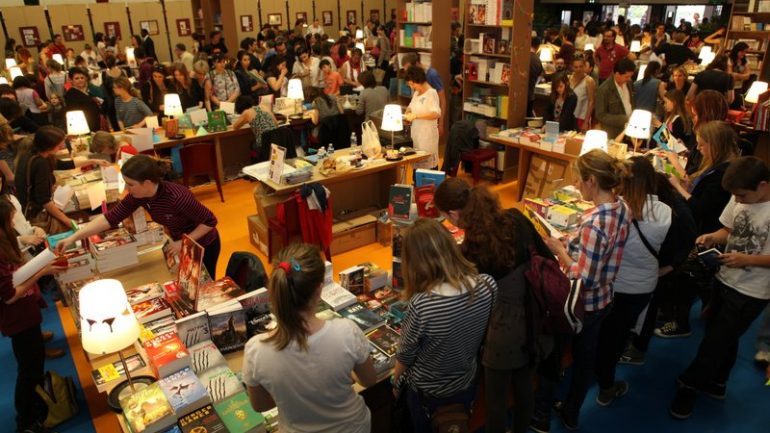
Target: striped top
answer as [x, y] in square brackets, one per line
[174, 207]
[441, 337]
[598, 250]
[131, 112]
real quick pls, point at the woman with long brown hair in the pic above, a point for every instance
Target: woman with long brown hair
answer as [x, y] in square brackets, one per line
[449, 308]
[188, 89]
[304, 366]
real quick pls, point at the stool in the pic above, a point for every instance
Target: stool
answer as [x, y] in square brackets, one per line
[476, 157]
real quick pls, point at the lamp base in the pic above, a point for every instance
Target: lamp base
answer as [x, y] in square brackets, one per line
[123, 390]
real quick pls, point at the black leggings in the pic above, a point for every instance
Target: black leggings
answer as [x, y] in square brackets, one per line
[29, 352]
[496, 386]
[211, 256]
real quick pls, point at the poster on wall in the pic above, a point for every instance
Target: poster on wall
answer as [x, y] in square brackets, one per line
[73, 33]
[327, 18]
[351, 17]
[29, 36]
[247, 23]
[275, 19]
[112, 29]
[151, 26]
[301, 16]
[183, 27]
[374, 15]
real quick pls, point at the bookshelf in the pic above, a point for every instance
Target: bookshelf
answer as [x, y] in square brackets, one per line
[496, 66]
[750, 23]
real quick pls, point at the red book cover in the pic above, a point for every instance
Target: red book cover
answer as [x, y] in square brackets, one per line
[424, 199]
[151, 309]
[167, 354]
[456, 232]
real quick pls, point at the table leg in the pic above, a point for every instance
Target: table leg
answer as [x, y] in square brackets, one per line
[220, 164]
[525, 158]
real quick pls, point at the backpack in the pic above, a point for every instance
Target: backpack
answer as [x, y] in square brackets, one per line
[58, 393]
[557, 297]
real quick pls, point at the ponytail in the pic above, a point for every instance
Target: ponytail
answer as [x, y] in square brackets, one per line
[608, 171]
[297, 274]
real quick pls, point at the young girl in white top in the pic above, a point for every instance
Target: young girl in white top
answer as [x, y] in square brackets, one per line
[304, 366]
[31, 103]
[423, 112]
[585, 89]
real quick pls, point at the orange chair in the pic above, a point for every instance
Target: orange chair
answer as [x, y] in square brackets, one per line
[199, 159]
[476, 157]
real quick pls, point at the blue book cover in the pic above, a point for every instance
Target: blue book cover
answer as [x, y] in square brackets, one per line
[423, 176]
[184, 391]
[366, 319]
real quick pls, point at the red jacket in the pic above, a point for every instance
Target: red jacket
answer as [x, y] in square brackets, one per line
[22, 314]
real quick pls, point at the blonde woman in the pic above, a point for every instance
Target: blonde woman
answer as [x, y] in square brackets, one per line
[130, 110]
[446, 320]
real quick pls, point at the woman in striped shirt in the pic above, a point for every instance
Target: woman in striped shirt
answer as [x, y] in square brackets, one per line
[449, 307]
[594, 257]
[169, 204]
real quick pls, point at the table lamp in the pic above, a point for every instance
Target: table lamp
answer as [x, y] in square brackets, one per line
[594, 139]
[704, 51]
[3, 80]
[130, 57]
[360, 46]
[359, 34]
[78, 126]
[392, 120]
[58, 58]
[546, 54]
[172, 106]
[108, 325]
[9, 63]
[642, 68]
[639, 126]
[15, 72]
[706, 58]
[295, 92]
[588, 47]
[636, 46]
[757, 88]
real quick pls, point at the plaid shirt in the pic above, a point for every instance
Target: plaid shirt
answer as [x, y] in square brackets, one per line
[597, 250]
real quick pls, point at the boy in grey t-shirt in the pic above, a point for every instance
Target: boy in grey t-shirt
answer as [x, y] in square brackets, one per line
[741, 289]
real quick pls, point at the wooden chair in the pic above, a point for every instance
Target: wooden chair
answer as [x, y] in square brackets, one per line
[476, 157]
[198, 159]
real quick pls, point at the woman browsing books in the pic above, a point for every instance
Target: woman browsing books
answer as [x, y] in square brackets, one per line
[169, 204]
[304, 366]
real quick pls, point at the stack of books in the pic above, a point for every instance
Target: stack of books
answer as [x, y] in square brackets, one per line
[115, 249]
[79, 266]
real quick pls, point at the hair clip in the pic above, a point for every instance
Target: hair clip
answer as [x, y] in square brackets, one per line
[285, 266]
[295, 265]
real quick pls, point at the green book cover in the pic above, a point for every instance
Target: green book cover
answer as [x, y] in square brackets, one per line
[217, 121]
[239, 417]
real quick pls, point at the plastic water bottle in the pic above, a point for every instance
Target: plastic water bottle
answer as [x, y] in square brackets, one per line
[353, 141]
[330, 151]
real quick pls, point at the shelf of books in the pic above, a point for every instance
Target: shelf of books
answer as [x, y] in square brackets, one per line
[750, 23]
[495, 68]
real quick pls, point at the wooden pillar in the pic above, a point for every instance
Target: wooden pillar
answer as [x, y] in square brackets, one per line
[520, 45]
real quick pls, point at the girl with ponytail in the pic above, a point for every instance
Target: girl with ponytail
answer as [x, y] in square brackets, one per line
[304, 366]
[130, 110]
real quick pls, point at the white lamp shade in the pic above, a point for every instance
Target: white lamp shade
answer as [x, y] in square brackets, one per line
[757, 88]
[130, 57]
[172, 106]
[360, 46]
[9, 63]
[594, 139]
[392, 119]
[15, 72]
[636, 46]
[546, 55]
[639, 124]
[704, 51]
[642, 68]
[294, 90]
[588, 47]
[58, 58]
[107, 322]
[707, 58]
[331, 41]
[3, 80]
[359, 34]
[76, 123]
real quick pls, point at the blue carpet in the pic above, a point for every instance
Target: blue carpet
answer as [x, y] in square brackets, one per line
[63, 366]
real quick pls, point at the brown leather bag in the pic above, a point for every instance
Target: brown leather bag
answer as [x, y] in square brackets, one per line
[452, 418]
[42, 219]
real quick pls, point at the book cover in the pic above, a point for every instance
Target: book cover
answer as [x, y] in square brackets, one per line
[488, 44]
[144, 292]
[397, 310]
[151, 309]
[506, 13]
[184, 391]
[400, 201]
[397, 277]
[352, 279]
[477, 12]
[217, 292]
[221, 382]
[181, 305]
[134, 362]
[148, 410]
[382, 362]
[228, 327]
[204, 356]
[190, 267]
[166, 354]
[423, 196]
[256, 308]
[337, 297]
[424, 176]
[385, 339]
[203, 420]
[171, 258]
[193, 329]
[239, 417]
[160, 326]
[327, 314]
[457, 233]
[397, 240]
[363, 317]
[385, 295]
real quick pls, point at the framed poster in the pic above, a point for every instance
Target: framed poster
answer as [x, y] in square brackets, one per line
[301, 16]
[151, 26]
[247, 23]
[73, 33]
[183, 27]
[393, 14]
[326, 18]
[29, 36]
[275, 19]
[374, 15]
[350, 16]
[112, 29]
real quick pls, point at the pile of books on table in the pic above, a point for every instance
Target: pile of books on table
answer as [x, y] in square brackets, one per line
[113, 250]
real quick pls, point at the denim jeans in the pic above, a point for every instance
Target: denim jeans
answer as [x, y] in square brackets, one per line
[614, 334]
[421, 407]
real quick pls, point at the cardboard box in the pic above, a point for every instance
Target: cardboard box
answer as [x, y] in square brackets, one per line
[258, 234]
[545, 175]
[353, 233]
[266, 202]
